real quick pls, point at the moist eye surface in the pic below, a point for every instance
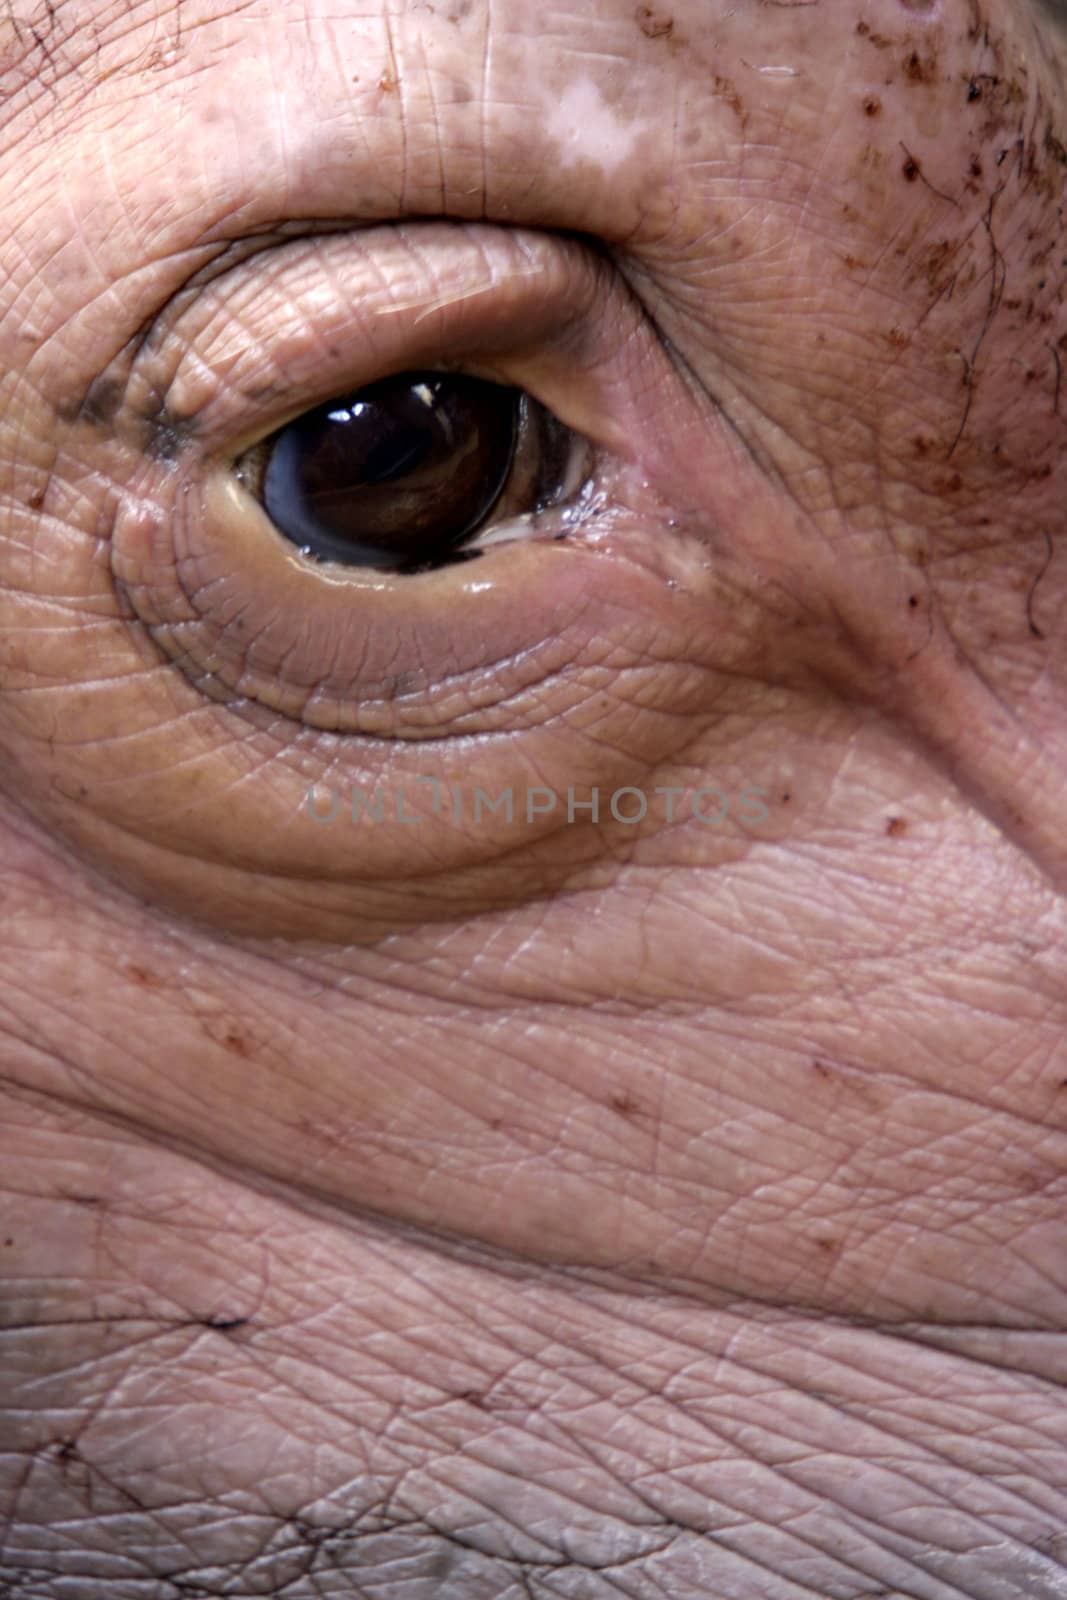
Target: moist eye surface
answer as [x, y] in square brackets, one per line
[395, 475]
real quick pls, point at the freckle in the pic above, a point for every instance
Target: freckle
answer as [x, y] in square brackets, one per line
[895, 827]
[36, 501]
[910, 169]
[237, 1045]
[976, 167]
[143, 976]
[872, 106]
[913, 602]
[387, 83]
[461, 94]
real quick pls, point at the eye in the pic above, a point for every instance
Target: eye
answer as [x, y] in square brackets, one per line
[403, 472]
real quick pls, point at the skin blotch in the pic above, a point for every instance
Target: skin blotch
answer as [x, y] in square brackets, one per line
[653, 24]
[879, 40]
[99, 406]
[725, 89]
[165, 437]
[920, 69]
[625, 1104]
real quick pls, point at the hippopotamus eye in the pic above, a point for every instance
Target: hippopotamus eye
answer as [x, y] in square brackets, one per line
[403, 472]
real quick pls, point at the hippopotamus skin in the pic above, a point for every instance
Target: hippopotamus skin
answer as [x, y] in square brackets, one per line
[660, 1200]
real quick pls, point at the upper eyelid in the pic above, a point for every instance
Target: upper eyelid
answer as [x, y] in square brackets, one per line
[200, 373]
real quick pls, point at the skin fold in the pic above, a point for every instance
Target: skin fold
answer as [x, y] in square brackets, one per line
[570, 1205]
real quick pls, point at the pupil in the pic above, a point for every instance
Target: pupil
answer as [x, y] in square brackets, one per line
[396, 475]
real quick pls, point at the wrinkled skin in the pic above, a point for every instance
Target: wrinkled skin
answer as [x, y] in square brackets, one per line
[488, 1211]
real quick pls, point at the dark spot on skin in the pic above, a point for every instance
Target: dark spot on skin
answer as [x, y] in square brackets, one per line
[913, 602]
[726, 91]
[99, 405]
[975, 168]
[387, 83]
[462, 94]
[166, 436]
[879, 40]
[872, 106]
[786, 798]
[910, 169]
[225, 1324]
[918, 69]
[144, 977]
[974, 91]
[828, 1244]
[36, 501]
[8, 1243]
[1055, 148]
[895, 827]
[897, 338]
[624, 1104]
[653, 24]
[237, 1045]
[822, 1069]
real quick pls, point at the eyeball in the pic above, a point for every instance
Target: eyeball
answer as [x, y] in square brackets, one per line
[397, 475]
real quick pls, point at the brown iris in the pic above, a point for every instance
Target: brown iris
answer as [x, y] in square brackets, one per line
[396, 475]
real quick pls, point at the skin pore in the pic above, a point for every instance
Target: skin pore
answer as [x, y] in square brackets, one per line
[569, 1203]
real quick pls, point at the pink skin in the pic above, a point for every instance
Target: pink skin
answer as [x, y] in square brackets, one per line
[489, 1209]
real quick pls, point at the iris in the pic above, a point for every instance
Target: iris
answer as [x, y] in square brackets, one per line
[396, 475]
